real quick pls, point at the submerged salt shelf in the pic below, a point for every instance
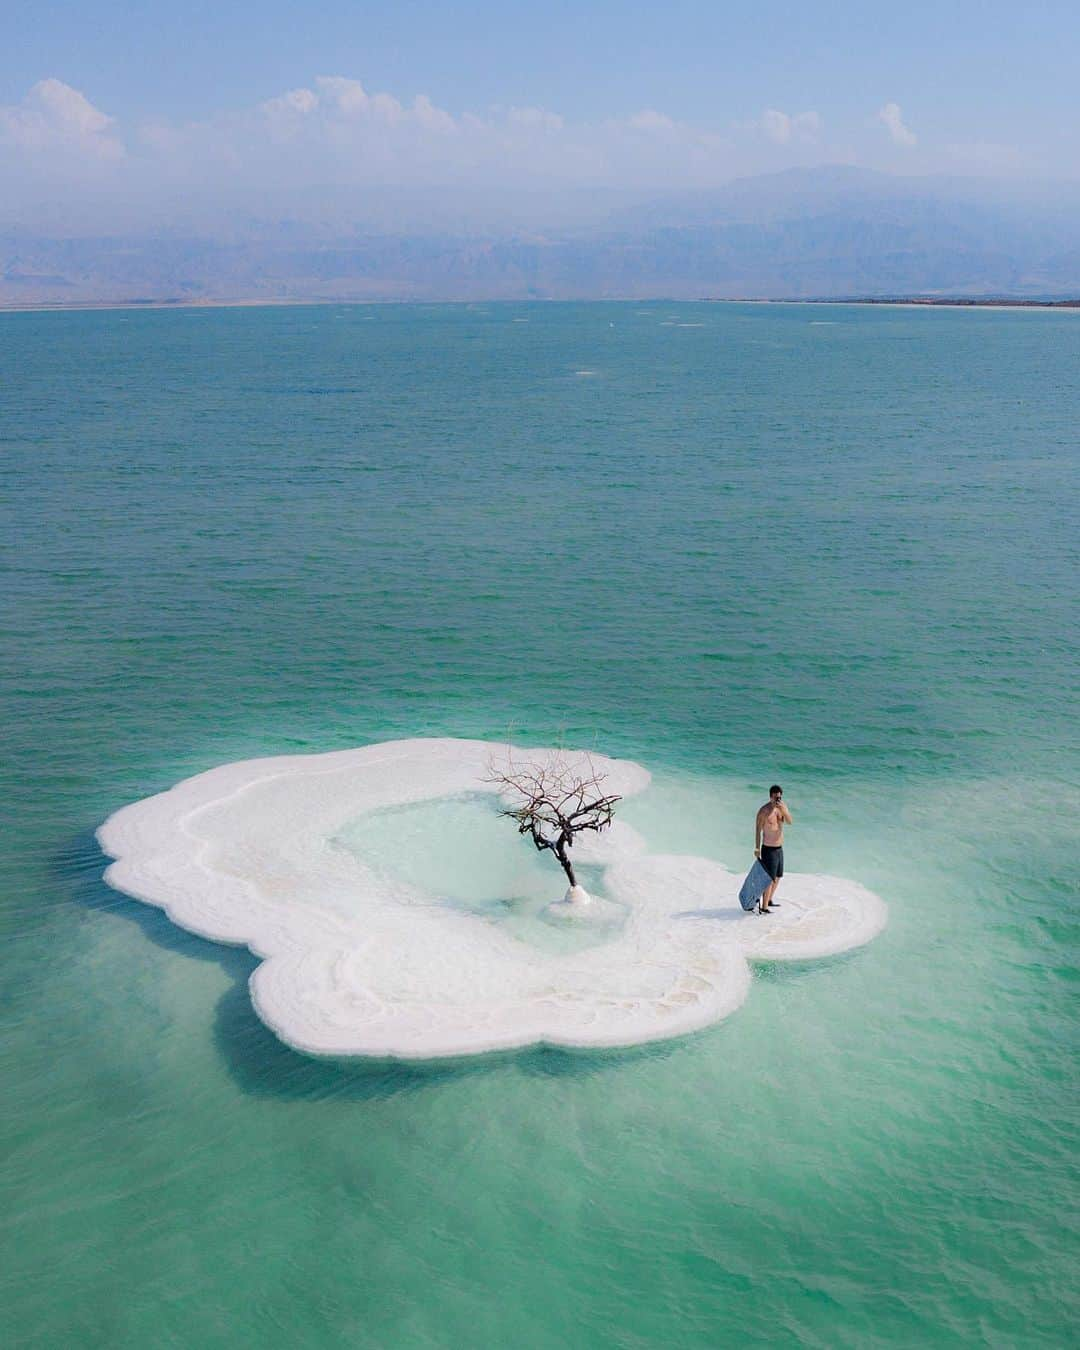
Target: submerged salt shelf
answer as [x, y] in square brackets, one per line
[358, 961]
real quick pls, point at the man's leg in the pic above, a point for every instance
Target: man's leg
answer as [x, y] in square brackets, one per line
[766, 895]
[775, 869]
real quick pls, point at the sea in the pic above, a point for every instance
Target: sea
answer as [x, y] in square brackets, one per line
[828, 546]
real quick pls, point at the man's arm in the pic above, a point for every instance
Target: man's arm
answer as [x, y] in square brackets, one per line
[759, 820]
[786, 814]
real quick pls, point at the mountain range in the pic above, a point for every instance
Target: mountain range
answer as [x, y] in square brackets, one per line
[834, 232]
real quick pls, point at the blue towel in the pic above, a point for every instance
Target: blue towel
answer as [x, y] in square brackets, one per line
[754, 887]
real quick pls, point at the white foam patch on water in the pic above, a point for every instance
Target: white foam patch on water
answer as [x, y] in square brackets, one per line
[358, 959]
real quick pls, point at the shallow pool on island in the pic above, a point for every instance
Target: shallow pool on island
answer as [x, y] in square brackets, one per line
[462, 852]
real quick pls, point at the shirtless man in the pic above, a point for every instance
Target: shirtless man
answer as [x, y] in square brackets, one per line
[769, 842]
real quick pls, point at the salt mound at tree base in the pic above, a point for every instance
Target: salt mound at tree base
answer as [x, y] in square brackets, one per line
[352, 964]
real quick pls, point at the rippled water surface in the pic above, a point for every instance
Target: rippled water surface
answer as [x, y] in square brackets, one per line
[840, 556]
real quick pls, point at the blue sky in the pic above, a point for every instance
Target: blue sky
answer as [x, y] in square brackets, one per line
[98, 100]
[967, 64]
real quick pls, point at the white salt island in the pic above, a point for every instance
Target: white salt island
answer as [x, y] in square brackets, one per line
[356, 962]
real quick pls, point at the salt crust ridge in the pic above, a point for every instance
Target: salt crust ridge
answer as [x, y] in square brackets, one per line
[352, 965]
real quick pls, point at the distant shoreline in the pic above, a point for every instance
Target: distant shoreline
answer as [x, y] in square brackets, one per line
[59, 306]
[953, 302]
[902, 302]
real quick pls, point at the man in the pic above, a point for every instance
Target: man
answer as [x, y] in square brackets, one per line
[769, 842]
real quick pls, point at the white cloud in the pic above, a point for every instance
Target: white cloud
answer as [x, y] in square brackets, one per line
[334, 151]
[53, 116]
[891, 116]
[432, 118]
[783, 128]
[776, 125]
[532, 117]
[67, 109]
[348, 97]
[336, 98]
[648, 119]
[296, 101]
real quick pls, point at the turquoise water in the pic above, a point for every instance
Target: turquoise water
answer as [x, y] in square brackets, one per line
[828, 546]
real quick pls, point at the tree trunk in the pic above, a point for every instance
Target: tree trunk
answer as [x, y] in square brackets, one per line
[567, 865]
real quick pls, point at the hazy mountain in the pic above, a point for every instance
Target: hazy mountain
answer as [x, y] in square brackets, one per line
[833, 231]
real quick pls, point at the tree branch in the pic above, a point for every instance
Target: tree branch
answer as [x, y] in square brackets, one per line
[557, 797]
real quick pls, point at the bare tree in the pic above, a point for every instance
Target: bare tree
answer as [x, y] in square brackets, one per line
[556, 800]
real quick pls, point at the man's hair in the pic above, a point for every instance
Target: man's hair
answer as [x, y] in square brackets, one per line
[776, 788]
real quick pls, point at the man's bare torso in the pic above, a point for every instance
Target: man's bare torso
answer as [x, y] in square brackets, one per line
[770, 821]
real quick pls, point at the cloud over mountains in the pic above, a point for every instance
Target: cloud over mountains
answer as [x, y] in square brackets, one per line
[893, 120]
[335, 148]
[332, 189]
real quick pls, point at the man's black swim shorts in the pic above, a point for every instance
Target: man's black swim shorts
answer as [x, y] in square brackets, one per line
[772, 859]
